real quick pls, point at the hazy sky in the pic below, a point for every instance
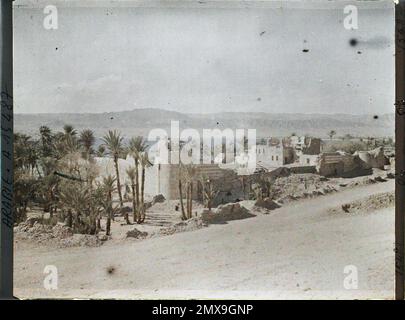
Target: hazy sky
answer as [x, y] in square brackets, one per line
[203, 58]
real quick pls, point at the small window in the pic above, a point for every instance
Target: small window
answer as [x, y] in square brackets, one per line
[272, 158]
[307, 160]
[276, 158]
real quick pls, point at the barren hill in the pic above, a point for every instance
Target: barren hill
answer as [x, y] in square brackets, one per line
[141, 121]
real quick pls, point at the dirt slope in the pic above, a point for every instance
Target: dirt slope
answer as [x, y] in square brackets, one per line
[298, 251]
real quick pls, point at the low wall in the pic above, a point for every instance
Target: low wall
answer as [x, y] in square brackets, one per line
[303, 169]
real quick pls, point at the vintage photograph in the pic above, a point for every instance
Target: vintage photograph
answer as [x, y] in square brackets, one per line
[204, 149]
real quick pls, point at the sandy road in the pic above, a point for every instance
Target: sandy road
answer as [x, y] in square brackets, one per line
[298, 251]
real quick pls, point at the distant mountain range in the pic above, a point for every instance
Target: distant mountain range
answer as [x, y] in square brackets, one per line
[141, 121]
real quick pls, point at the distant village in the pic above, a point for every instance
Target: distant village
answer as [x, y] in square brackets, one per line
[302, 153]
[345, 157]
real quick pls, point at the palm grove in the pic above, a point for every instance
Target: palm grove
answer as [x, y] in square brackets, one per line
[58, 174]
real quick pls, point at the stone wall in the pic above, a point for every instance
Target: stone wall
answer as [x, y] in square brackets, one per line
[164, 179]
[309, 159]
[341, 164]
[374, 158]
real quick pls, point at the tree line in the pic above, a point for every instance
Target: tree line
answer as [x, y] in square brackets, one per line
[57, 173]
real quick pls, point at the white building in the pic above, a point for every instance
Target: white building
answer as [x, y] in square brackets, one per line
[274, 153]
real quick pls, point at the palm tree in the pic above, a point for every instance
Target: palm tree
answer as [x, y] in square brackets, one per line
[45, 132]
[331, 134]
[25, 155]
[68, 139]
[209, 194]
[108, 186]
[183, 213]
[190, 176]
[144, 161]
[100, 151]
[25, 189]
[32, 155]
[69, 131]
[137, 146]
[131, 172]
[67, 198]
[87, 139]
[81, 205]
[187, 173]
[59, 145]
[113, 142]
[46, 140]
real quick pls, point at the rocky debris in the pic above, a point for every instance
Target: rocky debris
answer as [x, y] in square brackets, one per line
[103, 237]
[328, 189]
[287, 199]
[346, 207]
[226, 212]
[58, 235]
[158, 199]
[137, 234]
[298, 186]
[379, 179]
[367, 181]
[318, 193]
[192, 224]
[267, 203]
[42, 232]
[30, 221]
[368, 204]
[390, 175]
[371, 181]
[61, 231]
[37, 231]
[80, 240]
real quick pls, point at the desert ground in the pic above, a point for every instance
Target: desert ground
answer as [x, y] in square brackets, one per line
[296, 251]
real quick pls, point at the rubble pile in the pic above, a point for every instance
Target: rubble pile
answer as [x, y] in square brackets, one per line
[368, 204]
[267, 203]
[81, 240]
[192, 224]
[58, 235]
[226, 212]
[137, 234]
